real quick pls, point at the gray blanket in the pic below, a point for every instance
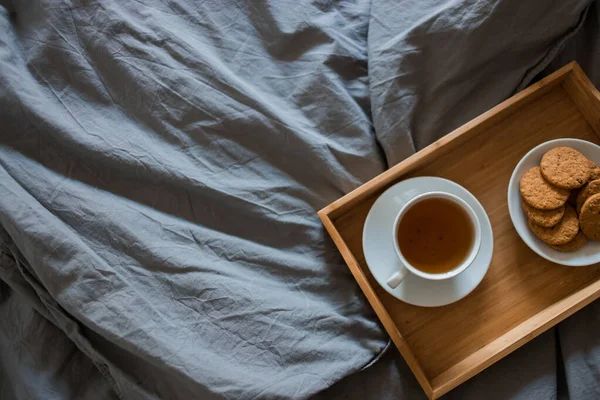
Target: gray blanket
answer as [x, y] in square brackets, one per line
[161, 165]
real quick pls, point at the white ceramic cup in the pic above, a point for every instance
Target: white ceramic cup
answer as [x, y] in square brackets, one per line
[405, 267]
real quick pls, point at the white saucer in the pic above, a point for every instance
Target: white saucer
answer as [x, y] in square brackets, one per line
[590, 252]
[382, 259]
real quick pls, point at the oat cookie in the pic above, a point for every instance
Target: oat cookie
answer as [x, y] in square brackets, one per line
[544, 218]
[565, 167]
[589, 219]
[590, 189]
[594, 170]
[561, 233]
[573, 245]
[540, 194]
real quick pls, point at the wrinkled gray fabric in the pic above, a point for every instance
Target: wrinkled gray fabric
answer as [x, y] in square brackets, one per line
[435, 65]
[161, 165]
[38, 360]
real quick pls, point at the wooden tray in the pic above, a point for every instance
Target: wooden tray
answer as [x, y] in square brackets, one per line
[522, 294]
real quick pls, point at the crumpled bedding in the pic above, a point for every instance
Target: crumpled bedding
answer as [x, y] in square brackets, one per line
[161, 165]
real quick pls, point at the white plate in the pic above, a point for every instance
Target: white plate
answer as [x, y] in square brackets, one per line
[590, 252]
[381, 257]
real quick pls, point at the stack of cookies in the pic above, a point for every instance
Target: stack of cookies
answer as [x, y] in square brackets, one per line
[561, 199]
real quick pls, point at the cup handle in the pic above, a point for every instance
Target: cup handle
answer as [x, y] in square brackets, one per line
[397, 278]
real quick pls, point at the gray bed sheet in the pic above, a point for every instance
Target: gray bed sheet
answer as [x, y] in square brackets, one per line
[161, 165]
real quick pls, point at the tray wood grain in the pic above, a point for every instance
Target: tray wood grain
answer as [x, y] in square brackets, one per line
[523, 294]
